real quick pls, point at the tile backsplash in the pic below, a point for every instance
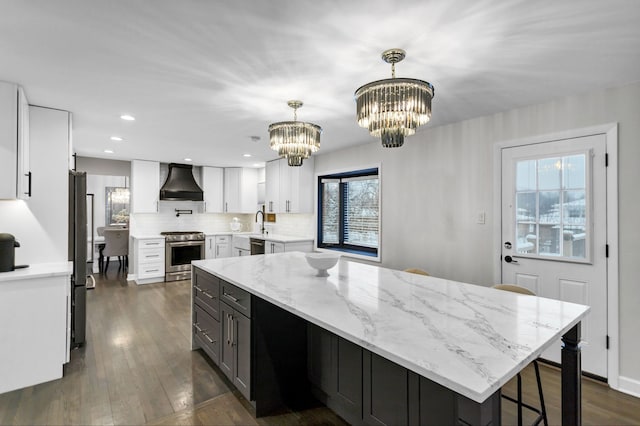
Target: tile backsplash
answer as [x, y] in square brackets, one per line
[166, 220]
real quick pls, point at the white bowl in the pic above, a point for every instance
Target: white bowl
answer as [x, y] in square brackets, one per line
[322, 262]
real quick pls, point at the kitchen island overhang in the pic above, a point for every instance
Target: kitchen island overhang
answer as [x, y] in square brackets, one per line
[468, 338]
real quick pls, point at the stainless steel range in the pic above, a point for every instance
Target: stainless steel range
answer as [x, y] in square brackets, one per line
[181, 247]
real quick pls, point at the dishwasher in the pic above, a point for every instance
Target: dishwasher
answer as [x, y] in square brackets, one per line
[257, 246]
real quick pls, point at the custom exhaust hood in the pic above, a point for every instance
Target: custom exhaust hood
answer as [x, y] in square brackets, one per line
[180, 184]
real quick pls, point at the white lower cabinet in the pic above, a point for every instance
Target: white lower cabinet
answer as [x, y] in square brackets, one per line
[218, 246]
[149, 260]
[271, 247]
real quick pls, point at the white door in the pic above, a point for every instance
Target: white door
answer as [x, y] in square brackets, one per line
[554, 231]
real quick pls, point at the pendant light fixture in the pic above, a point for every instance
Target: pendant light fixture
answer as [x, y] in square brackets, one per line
[294, 140]
[393, 108]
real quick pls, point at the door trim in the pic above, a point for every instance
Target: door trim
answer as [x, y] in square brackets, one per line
[610, 130]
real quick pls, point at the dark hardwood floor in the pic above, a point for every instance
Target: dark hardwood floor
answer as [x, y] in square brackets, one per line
[137, 368]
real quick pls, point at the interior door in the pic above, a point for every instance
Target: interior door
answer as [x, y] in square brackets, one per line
[554, 231]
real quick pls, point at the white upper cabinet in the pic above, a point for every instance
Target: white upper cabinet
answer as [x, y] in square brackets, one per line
[240, 190]
[272, 186]
[289, 189]
[213, 187]
[145, 186]
[15, 171]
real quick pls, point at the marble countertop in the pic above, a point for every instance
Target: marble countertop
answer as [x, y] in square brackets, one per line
[38, 270]
[148, 237]
[277, 238]
[469, 338]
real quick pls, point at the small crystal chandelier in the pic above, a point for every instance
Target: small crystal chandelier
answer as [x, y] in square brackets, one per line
[393, 108]
[294, 140]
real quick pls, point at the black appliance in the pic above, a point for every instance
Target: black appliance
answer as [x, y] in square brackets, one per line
[8, 246]
[182, 247]
[78, 255]
[257, 246]
[181, 185]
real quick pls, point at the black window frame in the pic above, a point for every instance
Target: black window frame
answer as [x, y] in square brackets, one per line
[341, 245]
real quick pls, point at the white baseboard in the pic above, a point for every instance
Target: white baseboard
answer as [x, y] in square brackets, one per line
[630, 386]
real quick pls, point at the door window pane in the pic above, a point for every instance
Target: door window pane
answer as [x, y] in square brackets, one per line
[526, 176]
[574, 171]
[549, 173]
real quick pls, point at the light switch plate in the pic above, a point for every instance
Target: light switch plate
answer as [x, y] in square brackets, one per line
[480, 217]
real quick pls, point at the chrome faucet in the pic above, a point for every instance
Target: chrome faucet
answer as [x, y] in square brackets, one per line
[261, 223]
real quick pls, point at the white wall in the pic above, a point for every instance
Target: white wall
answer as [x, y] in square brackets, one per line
[433, 187]
[41, 223]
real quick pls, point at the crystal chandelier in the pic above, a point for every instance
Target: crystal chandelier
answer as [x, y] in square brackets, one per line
[294, 140]
[393, 108]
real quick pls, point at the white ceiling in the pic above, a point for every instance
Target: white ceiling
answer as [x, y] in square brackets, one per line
[202, 77]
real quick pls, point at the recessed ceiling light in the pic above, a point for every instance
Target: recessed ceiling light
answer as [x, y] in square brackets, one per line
[116, 138]
[247, 155]
[188, 159]
[258, 165]
[108, 151]
[127, 117]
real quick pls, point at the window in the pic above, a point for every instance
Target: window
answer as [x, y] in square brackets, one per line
[551, 207]
[116, 205]
[349, 212]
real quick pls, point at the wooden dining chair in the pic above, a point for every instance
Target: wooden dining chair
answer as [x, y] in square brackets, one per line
[416, 271]
[542, 412]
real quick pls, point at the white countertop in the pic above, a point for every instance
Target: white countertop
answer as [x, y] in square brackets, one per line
[38, 270]
[148, 237]
[276, 238]
[469, 338]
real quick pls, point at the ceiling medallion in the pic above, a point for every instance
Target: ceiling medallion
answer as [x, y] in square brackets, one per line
[393, 108]
[294, 140]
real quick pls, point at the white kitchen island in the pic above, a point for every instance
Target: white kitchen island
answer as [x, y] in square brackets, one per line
[464, 339]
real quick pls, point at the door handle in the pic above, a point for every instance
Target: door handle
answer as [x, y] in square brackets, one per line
[510, 259]
[28, 193]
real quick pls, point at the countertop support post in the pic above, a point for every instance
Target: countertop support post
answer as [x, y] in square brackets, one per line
[571, 376]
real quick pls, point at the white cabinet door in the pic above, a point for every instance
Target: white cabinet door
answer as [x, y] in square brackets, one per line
[209, 248]
[272, 186]
[145, 186]
[213, 187]
[24, 166]
[15, 176]
[296, 187]
[223, 250]
[273, 247]
[240, 190]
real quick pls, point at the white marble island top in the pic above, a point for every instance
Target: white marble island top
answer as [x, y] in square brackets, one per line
[470, 339]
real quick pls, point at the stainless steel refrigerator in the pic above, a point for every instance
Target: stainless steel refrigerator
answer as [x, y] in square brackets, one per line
[78, 255]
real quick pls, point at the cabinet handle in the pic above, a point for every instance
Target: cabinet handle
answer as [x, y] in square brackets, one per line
[195, 324]
[288, 206]
[225, 294]
[207, 337]
[197, 287]
[226, 207]
[157, 206]
[233, 338]
[28, 190]
[209, 295]
[228, 329]
[152, 255]
[271, 206]
[205, 206]
[217, 251]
